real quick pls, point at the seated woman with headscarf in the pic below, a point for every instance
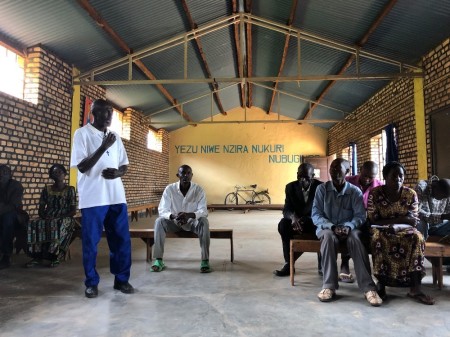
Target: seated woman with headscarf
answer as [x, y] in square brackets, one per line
[397, 246]
[50, 235]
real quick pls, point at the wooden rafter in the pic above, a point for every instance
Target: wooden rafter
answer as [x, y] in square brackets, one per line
[283, 58]
[350, 60]
[214, 86]
[121, 43]
[238, 51]
[248, 9]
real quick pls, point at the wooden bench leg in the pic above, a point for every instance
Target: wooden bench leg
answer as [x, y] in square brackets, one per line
[149, 244]
[232, 249]
[434, 270]
[134, 215]
[439, 273]
[436, 263]
[291, 264]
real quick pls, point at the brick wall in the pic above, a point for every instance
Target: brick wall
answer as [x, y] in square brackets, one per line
[34, 136]
[148, 172]
[395, 104]
[35, 133]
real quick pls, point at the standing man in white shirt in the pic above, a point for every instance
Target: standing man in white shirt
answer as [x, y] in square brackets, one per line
[101, 159]
[182, 207]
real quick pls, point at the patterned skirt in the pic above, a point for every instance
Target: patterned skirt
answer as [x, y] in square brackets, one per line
[396, 256]
[50, 237]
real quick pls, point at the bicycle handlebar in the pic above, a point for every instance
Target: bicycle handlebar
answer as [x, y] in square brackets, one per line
[250, 188]
[245, 187]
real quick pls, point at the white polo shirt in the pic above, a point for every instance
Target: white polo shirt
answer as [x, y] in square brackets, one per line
[93, 189]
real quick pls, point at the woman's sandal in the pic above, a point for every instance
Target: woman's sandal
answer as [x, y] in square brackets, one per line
[54, 264]
[33, 263]
[158, 265]
[422, 298]
[346, 278]
[204, 267]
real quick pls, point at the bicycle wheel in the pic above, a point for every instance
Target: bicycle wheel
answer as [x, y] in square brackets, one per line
[261, 199]
[231, 199]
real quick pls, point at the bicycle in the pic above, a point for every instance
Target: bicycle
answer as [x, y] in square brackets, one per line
[239, 198]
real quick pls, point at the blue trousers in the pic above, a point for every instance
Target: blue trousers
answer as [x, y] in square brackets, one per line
[115, 220]
[441, 229]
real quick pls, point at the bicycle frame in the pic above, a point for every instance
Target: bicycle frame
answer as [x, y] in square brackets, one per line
[251, 196]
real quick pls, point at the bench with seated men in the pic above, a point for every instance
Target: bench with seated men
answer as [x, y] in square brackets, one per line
[435, 251]
[147, 235]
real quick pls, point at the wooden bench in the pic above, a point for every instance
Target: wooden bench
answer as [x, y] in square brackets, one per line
[245, 207]
[148, 208]
[434, 251]
[148, 236]
[307, 243]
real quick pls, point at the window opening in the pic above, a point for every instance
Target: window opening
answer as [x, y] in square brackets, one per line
[154, 140]
[117, 122]
[12, 72]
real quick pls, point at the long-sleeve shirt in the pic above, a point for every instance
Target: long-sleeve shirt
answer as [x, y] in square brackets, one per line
[355, 181]
[430, 209]
[174, 202]
[333, 208]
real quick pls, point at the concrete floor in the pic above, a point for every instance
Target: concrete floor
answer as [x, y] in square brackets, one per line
[237, 299]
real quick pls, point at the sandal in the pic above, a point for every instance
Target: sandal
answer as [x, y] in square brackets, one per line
[326, 295]
[54, 264]
[33, 263]
[346, 278]
[204, 267]
[158, 265]
[373, 298]
[422, 298]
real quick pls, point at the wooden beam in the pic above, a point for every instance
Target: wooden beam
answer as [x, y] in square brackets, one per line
[214, 86]
[121, 43]
[350, 60]
[283, 58]
[238, 52]
[248, 9]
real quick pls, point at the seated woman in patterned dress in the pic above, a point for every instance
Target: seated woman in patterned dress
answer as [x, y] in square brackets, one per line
[50, 235]
[397, 251]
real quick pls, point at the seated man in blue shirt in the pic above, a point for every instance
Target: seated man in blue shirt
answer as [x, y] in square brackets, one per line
[338, 212]
[182, 207]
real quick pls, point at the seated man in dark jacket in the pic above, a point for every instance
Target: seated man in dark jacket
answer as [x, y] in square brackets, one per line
[297, 211]
[11, 193]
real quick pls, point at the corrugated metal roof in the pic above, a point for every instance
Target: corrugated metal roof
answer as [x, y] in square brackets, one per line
[410, 29]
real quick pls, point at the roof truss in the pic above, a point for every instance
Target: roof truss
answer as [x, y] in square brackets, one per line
[241, 23]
